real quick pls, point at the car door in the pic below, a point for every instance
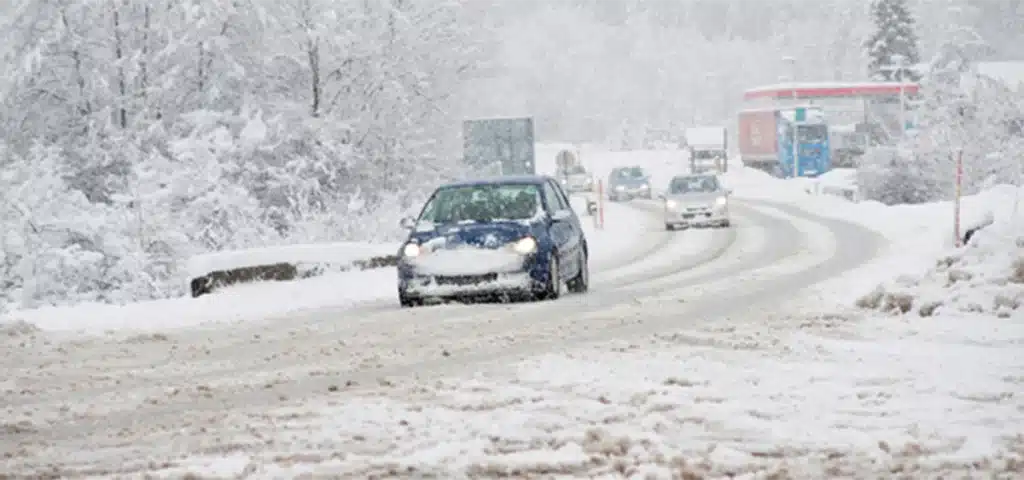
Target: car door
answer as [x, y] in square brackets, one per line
[564, 230]
[579, 239]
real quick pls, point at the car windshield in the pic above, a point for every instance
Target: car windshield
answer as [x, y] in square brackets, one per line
[633, 173]
[575, 170]
[482, 203]
[701, 184]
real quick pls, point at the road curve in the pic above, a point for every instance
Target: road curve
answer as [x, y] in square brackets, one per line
[138, 399]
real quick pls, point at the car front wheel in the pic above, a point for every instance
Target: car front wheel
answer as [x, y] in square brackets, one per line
[581, 282]
[406, 301]
[552, 290]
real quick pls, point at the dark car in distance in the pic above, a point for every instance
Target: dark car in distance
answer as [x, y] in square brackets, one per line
[505, 237]
[627, 183]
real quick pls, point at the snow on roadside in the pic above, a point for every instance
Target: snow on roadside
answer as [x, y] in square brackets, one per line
[249, 302]
[918, 235]
[986, 277]
[895, 222]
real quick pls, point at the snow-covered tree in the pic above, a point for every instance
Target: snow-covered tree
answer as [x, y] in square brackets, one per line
[961, 113]
[892, 48]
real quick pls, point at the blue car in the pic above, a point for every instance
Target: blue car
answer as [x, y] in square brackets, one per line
[508, 237]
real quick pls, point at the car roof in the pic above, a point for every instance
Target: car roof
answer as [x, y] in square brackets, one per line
[501, 180]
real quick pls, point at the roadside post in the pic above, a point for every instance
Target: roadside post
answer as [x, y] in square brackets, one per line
[600, 205]
[957, 239]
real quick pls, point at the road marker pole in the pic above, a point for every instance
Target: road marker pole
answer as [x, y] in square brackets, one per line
[600, 204]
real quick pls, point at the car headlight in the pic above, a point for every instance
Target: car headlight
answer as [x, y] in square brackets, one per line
[525, 246]
[644, 186]
[411, 250]
[620, 187]
[670, 204]
[721, 201]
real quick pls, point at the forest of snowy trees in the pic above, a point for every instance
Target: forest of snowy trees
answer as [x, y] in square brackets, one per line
[136, 133]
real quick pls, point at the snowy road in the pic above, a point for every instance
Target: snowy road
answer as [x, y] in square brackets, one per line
[79, 406]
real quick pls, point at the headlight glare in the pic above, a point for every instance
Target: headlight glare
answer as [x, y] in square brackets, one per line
[525, 246]
[411, 250]
[670, 204]
[721, 201]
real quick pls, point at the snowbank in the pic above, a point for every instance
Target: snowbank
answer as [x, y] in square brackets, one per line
[248, 302]
[986, 277]
[339, 253]
[931, 222]
[921, 271]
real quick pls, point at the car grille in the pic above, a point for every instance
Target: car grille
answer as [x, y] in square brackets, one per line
[462, 280]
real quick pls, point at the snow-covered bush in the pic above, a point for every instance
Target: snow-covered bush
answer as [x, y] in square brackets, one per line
[904, 176]
[986, 277]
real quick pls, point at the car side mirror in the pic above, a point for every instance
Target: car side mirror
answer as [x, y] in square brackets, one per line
[661, 196]
[561, 215]
[407, 223]
[728, 191]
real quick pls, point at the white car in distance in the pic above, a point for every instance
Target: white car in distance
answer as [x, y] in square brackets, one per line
[697, 200]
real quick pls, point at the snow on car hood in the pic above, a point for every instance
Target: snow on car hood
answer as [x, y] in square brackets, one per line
[468, 260]
[696, 198]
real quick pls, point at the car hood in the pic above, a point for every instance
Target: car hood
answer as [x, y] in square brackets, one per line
[490, 235]
[695, 198]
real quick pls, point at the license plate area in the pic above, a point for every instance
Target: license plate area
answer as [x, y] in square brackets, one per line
[463, 280]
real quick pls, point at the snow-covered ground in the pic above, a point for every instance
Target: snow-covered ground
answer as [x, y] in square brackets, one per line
[756, 362]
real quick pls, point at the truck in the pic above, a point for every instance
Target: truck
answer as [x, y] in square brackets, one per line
[573, 176]
[767, 138]
[708, 149]
[499, 146]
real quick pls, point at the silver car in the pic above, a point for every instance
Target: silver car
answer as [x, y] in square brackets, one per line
[576, 179]
[697, 200]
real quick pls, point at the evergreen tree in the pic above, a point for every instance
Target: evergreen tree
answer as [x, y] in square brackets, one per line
[894, 41]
